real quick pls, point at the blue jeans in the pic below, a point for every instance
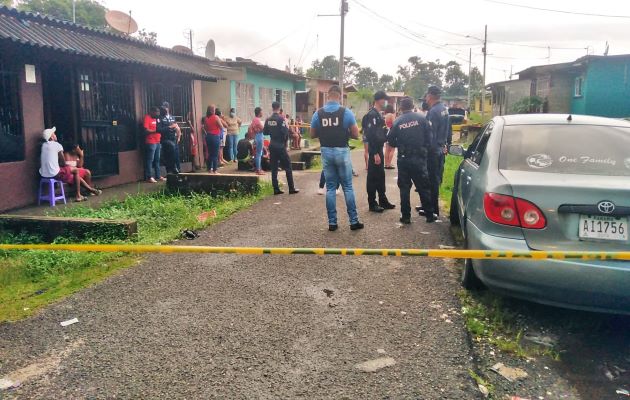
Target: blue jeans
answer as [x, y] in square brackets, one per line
[213, 142]
[232, 141]
[259, 140]
[152, 160]
[338, 171]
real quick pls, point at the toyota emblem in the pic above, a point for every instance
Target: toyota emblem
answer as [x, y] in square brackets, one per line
[606, 207]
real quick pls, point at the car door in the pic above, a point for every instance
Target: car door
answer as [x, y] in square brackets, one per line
[469, 169]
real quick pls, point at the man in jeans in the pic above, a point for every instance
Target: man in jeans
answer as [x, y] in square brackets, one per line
[153, 147]
[334, 125]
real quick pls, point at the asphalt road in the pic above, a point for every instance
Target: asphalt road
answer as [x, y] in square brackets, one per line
[231, 326]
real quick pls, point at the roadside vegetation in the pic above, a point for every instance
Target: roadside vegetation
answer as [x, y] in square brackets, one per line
[33, 279]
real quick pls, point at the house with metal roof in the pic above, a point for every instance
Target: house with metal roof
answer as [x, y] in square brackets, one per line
[590, 85]
[94, 86]
[246, 84]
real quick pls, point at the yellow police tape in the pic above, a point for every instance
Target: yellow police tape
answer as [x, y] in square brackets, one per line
[430, 253]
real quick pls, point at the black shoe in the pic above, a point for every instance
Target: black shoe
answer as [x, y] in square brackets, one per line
[333, 228]
[376, 209]
[357, 226]
[277, 192]
[431, 218]
[405, 220]
[294, 191]
[388, 206]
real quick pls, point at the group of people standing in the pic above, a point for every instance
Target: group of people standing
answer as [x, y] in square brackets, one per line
[220, 131]
[162, 136]
[421, 143]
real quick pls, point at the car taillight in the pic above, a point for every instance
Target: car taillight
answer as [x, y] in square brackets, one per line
[508, 210]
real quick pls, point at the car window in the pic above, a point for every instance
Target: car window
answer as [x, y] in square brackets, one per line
[566, 149]
[480, 148]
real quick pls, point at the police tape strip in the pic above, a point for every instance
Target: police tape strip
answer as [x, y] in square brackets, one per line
[429, 253]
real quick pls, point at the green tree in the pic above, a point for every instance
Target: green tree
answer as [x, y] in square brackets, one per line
[147, 37]
[476, 80]
[327, 68]
[386, 82]
[88, 12]
[6, 3]
[455, 80]
[367, 78]
[362, 96]
[528, 105]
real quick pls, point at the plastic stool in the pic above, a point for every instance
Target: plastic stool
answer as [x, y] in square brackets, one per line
[48, 193]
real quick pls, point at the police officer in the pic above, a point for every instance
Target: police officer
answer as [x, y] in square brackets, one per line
[411, 134]
[442, 136]
[375, 132]
[276, 127]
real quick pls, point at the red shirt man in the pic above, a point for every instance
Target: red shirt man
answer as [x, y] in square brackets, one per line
[150, 126]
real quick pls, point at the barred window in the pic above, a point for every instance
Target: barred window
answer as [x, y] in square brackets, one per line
[245, 101]
[266, 100]
[11, 132]
[287, 102]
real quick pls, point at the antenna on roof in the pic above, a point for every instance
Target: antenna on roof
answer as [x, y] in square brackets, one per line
[570, 118]
[211, 50]
[121, 22]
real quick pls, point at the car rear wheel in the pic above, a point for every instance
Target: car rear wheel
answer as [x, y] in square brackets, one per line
[469, 279]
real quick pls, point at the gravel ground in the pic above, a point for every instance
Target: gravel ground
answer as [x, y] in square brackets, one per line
[231, 326]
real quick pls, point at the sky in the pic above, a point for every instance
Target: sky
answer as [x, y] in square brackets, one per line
[384, 34]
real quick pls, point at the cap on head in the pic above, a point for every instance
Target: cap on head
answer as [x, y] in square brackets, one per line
[335, 89]
[47, 134]
[434, 90]
[380, 95]
[406, 104]
[166, 105]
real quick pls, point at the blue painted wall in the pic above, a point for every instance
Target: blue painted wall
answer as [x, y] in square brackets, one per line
[606, 90]
[260, 80]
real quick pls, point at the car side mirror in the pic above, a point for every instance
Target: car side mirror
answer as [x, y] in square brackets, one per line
[456, 150]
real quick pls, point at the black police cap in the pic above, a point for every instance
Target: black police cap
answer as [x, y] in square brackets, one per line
[434, 90]
[380, 95]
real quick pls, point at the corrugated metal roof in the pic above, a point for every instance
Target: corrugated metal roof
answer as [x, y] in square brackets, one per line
[44, 32]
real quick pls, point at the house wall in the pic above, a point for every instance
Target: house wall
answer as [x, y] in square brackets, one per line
[560, 94]
[607, 88]
[20, 179]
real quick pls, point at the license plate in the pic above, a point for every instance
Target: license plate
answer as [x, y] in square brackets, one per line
[596, 227]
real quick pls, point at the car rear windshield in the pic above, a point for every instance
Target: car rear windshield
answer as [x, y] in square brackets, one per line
[566, 149]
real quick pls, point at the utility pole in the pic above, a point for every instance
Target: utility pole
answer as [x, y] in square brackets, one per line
[548, 54]
[469, 75]
[342, 67]
[74, 11]
[191, 41]
[483, 89]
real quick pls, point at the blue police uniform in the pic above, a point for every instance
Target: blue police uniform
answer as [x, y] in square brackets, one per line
[375, 133]
[411, 134]
[169, 142]
[276, 127]
[441, 137]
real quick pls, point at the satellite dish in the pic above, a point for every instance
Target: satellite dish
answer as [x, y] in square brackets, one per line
[210, 50]
[182, 49]
[121, 22]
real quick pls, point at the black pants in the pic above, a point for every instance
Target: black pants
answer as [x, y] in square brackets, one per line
[414, 170]
[435, 167]
[169, 149]
[280, 157]
[376, 181]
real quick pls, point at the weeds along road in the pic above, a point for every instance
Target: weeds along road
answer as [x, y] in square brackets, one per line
[231, 326]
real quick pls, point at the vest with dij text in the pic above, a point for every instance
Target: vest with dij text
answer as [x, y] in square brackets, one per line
[332, 132]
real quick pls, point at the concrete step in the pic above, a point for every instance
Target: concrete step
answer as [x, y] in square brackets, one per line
[298, 165]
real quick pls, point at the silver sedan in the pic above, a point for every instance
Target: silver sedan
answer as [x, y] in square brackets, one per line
[548, 182]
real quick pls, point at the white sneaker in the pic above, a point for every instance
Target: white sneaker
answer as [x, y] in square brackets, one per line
[321, 191]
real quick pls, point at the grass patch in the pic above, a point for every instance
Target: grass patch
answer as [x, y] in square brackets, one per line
[489, 320]
[32, 279]
[451, 165]
[316, 163]
[356, 144]
[481, 381]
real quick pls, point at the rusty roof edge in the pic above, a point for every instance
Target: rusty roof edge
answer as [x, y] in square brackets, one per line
[49, 20]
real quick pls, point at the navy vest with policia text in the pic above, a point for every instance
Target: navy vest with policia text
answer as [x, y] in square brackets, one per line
[331, 132]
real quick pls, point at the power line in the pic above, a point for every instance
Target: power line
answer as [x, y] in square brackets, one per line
[557, 11]
[277, 42]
